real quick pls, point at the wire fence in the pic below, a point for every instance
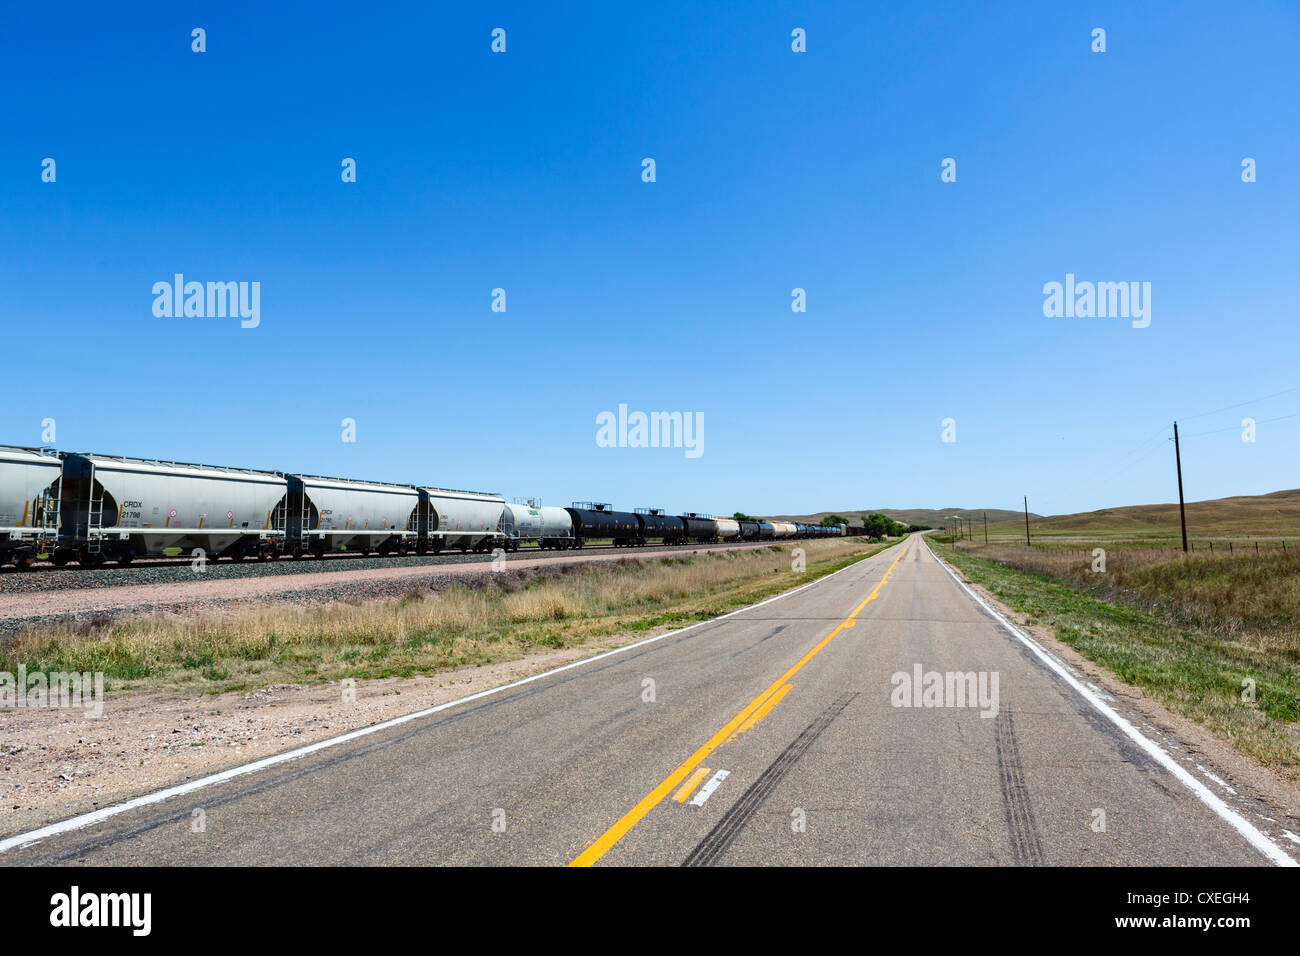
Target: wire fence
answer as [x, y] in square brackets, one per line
[1218, 546]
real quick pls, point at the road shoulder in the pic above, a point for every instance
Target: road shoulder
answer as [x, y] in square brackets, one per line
[1260, 793]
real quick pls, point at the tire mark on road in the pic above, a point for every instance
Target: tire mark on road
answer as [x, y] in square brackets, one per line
[766, 637]
[1025, 845]
[735, 819]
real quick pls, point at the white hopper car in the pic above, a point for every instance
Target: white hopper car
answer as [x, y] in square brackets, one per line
[337, 514]
[124, 508]
[460, 519]
[29, 495]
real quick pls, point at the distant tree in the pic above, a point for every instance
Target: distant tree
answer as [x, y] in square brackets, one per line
[830, 520]
[879, 526]
[741, 516]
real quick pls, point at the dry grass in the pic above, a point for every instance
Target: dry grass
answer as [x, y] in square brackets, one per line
[1244, 596]
[502, 618]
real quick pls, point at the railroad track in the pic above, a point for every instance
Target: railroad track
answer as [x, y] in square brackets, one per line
[47, 577]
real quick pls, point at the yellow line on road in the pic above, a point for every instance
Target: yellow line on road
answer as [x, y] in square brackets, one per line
[601, 845]
[692, 782]
[757, 716]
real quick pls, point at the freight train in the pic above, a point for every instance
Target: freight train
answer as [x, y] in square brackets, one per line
[93, 509]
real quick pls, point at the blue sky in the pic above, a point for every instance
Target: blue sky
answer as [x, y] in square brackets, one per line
[775, 170]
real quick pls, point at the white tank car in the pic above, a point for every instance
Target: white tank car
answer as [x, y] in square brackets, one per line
[460, 519]
[783, 529]
[337, 514]
[550, 527]
[728, 529]
[122, 508]
[29, 489]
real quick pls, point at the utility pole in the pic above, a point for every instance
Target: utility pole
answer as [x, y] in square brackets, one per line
[986, 527]
[1027, 544]
[1182, 510]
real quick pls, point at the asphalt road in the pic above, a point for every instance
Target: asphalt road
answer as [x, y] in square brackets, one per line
[795, 700]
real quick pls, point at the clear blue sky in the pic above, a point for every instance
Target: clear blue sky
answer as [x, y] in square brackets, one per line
[775, 170]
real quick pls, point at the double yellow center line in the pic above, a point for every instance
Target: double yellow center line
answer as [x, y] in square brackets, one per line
[601, 845]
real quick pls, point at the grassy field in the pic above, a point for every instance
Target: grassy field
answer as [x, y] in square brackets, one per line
[500, 617]
[1196, 632]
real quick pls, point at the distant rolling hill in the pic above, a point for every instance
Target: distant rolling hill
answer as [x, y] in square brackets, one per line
[934, 517]
[1270, 515]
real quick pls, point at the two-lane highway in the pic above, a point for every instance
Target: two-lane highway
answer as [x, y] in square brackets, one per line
[787, 733]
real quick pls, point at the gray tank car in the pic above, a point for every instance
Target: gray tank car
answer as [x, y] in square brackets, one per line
[550, 527]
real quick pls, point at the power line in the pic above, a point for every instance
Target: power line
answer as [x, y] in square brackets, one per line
[1135, 462]
[1140, 453]
[1252, 401]
[1230, 428]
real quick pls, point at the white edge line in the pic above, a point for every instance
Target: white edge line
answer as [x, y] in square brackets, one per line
[1257, 839]
[98, 816]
